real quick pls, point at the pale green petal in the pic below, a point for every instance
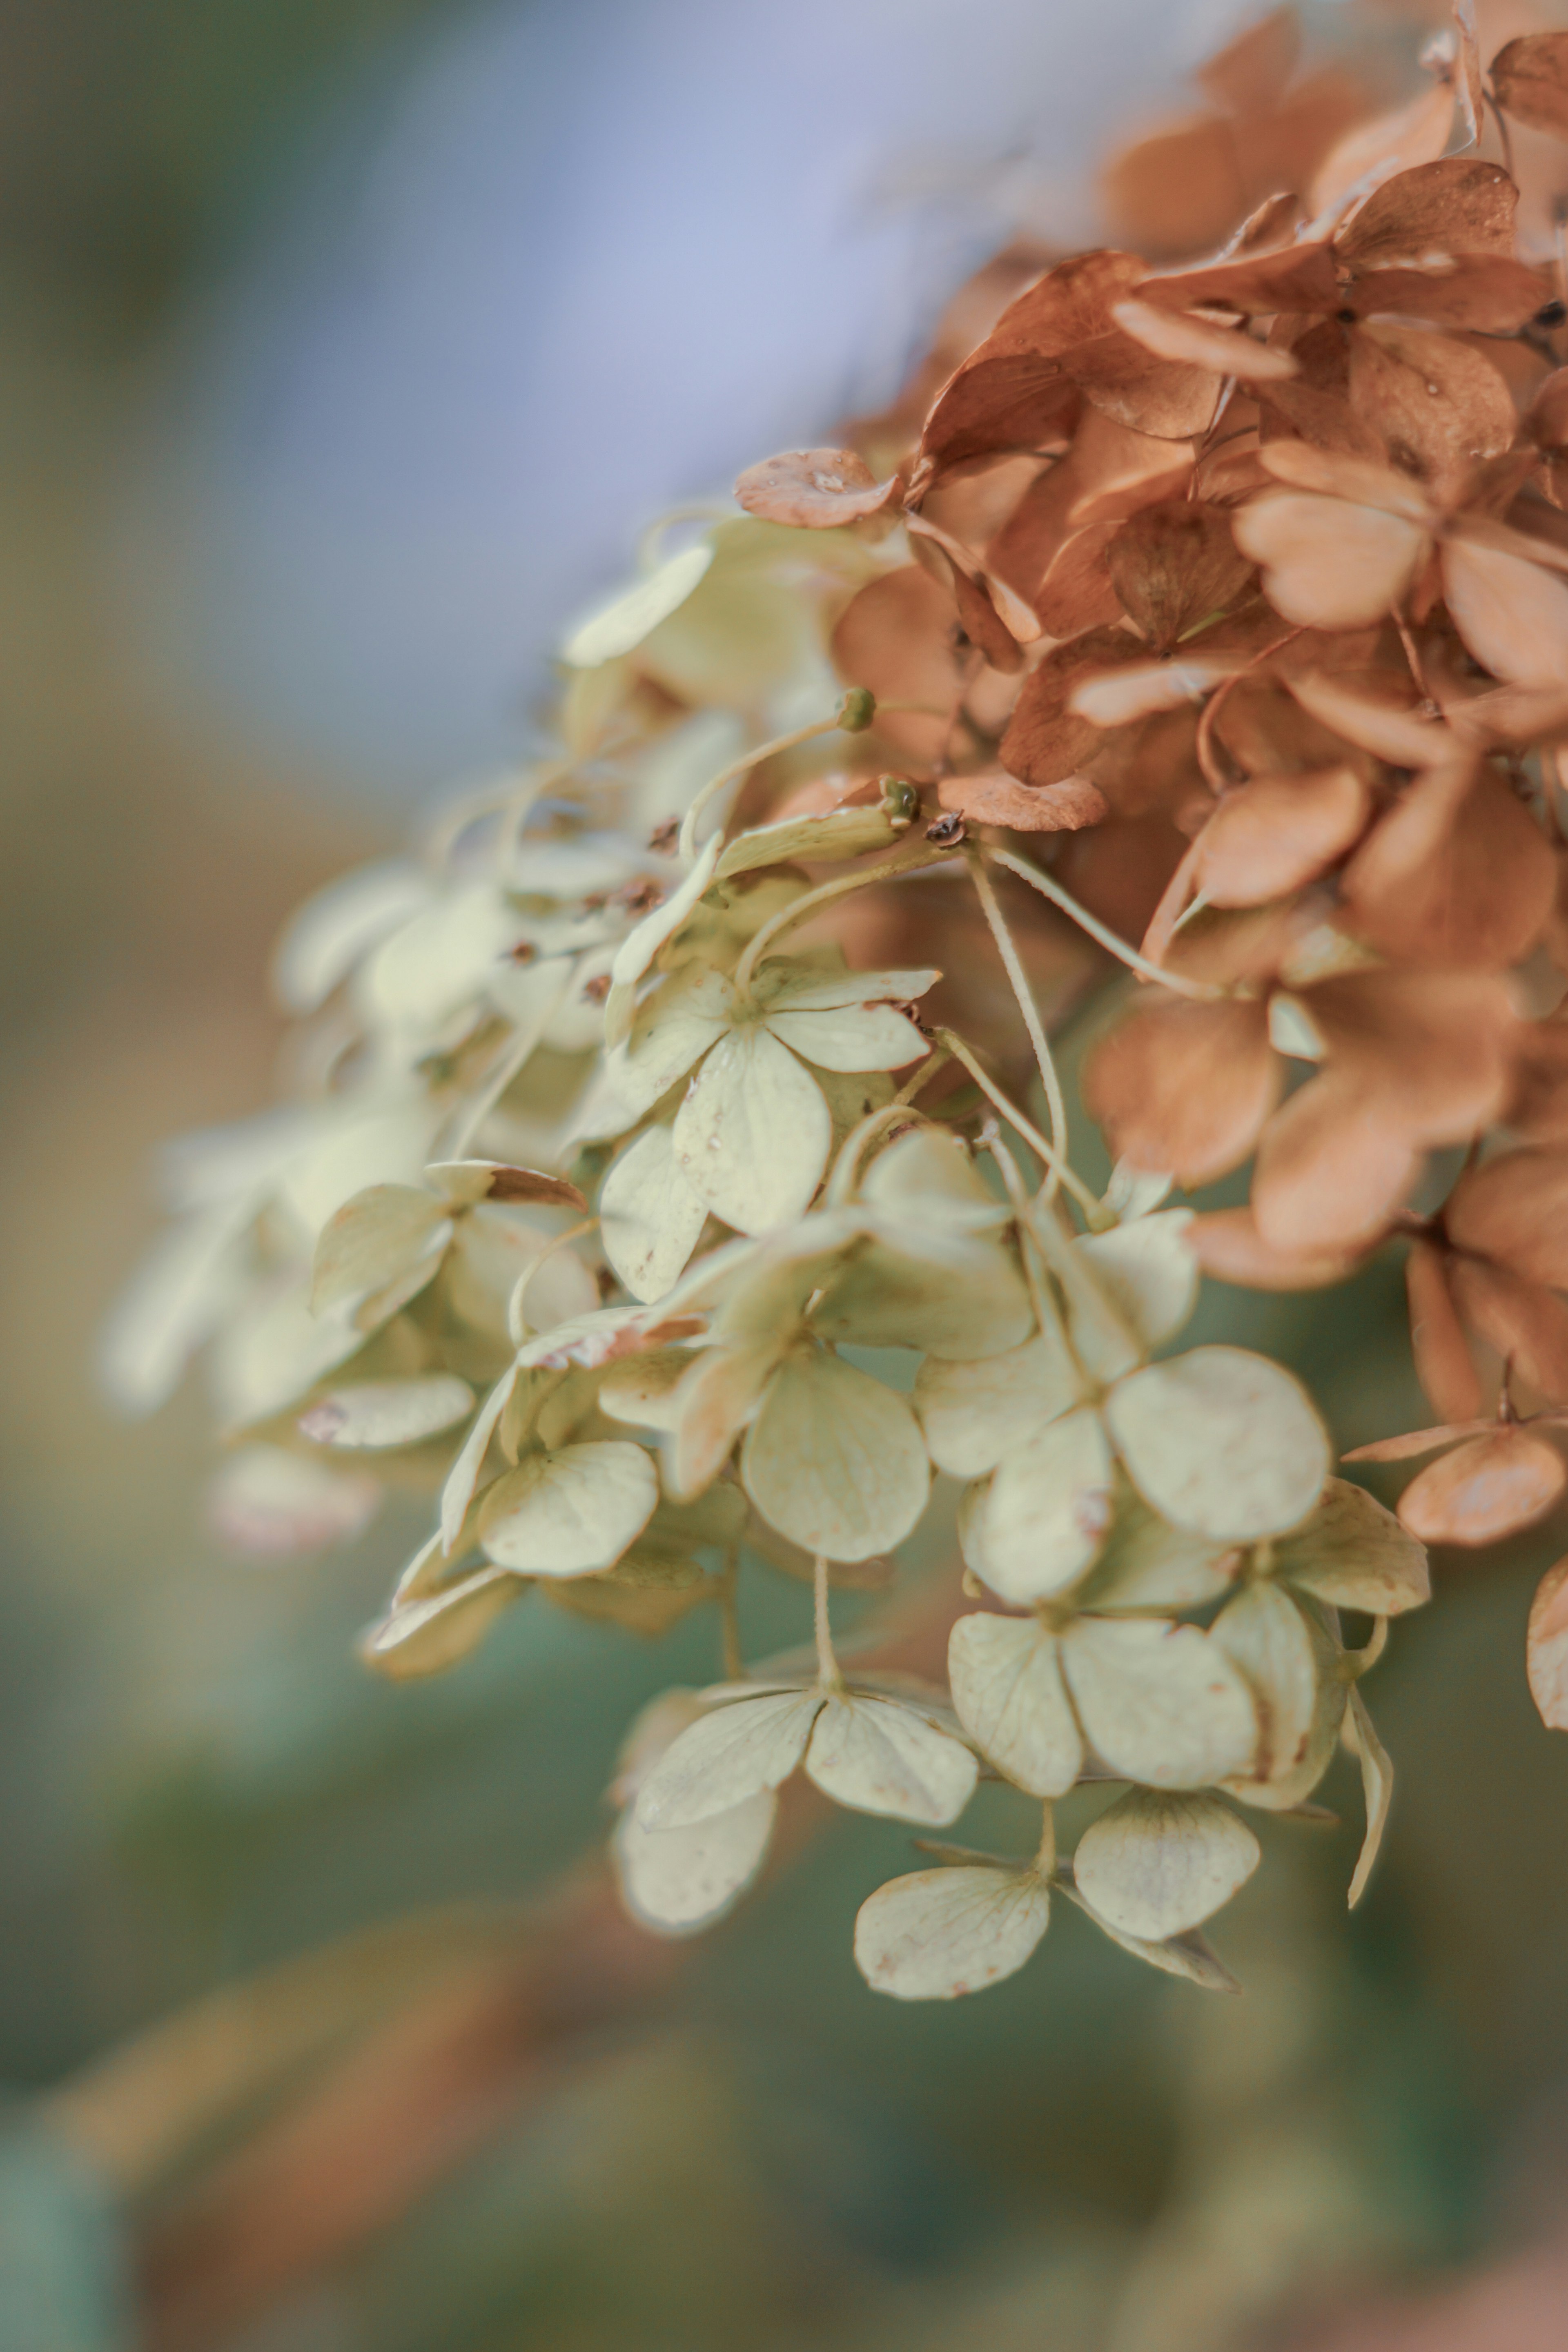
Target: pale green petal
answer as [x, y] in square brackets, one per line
[716, 1400]
[741, 1747]
[1189, 1956]
[684, 1017]
[1221, 1440]
[839, 833]
[1048, 1509]
[1356, 1555]
[974, 1412]
[753, 1134]
[855, 1037]
[570, 1512]
[926, 1180]
[880, 1757]
[971, 1306]
[835, 1459]
[1161, 1703]
[1155, 1865]
[463, 1477]
[619, 625]
[1150, 1270]
[1007, 1687]
[796, 985]
[650, 1219]
[938, 1934]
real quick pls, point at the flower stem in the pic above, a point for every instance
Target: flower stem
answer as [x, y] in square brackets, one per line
[1047, 1153]
[893, 871]
[1101, 932]
[1045, 1854]
[826, 1664]
[1013, 965]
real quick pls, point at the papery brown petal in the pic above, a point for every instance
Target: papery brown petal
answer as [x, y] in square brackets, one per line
[1547, 422]
[1435, 403]
[1457, 872]
[1526, 1324]
[1045, 741]
[1444, 1365]
[1076, 591]
[532, 1184]
[1484, 294]
[1334, 1166]
[1116, 698]
[1108, 474]
[1251, 71]
[896, 636]
[1391, 730]
[994, 798]
[1321, 417]
[1487, 1489]
[940, 554]
[1173, 564]
[1294, 278]
[1177, 190]
[1546, 1650]
[1512, 615]
[1375, 151]
[1515, 1209]
[1011, 392]
[1327, 564]
[1458, 206]
[1529, 79]
[1433, 1046]
[1183, 1089]
[1279, 832]
[1224, 350]
[816, 489]
[1229, 1248]
[1334, 474]
[1537, 1107]
[1169, 399]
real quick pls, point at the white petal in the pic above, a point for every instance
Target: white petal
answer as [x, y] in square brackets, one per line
[272, 1353]
[1189, 1956]
[676, 1880]
[880, 1757]
[1007, 1687]
[373, 1238]
[1148, 1564]
[743, 1747]
[437, 964]
[975, 1413]
[172, 1306]
[798, 986]
[753, 1134]
[1048, 1509]
[1221, 1440]
[426, 1637]
[371, 1414]
[716, 1400]
[941, 1933]
[853, 1037]
[570, 1512]
[1150, 1271]
[1156, 1865]
[1161, 1703]
[619, 625]
[1356, 1555]
[650, 1219]
[684, 1017]
[638, 950]
[835, 1460]
[927, 1180]
[464, 1475]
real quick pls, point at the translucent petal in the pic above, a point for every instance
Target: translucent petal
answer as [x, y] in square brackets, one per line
[1048, 1509]
[619, 625]
[835, 1459]
[853, 1037]
[650, 1219]
[676, 1880]
[834, 833]
[1354, 1554]
[637, 952]
[975, 1413]
[941, 1933]
[1155, 1865]
[1007, 1687]
[1158, 1702]
[798, 986]
[927, 1181]
[439, 962]
[1222, 1441]
[1148, 1269]
[570, 1512]
[716, 1399]
[172, 1306]
[1290, 1787]
[377, 1414]
[322, 943]
[741, 1747]
[753, 1132]
[880, 1757]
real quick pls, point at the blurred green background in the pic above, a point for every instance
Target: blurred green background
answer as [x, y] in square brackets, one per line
[516, 2128]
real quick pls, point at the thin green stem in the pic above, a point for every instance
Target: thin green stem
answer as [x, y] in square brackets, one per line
[893, 871]
[1202, 989]
[1012, 964]
[926, 1072]
[1047, 1153]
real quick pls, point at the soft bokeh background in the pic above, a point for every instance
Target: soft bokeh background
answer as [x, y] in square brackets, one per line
[295, 301]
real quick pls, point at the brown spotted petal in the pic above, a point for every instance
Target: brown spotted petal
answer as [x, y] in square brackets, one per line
[1171, 399]
[1183, 1089]
[1437, 406]
[1485, 1490]
[1515, 1210]
[814, 489]
[1277, 832]
[1444, 1365]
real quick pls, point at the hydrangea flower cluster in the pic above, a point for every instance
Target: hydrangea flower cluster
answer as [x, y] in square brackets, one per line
[679, 1178]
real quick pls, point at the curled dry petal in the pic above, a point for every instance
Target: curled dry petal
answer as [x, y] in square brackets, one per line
[816, 489]
[1183, 1089]
[1375, 151]
[1485, 1490]
[1175, 566]
[1547, 1647]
